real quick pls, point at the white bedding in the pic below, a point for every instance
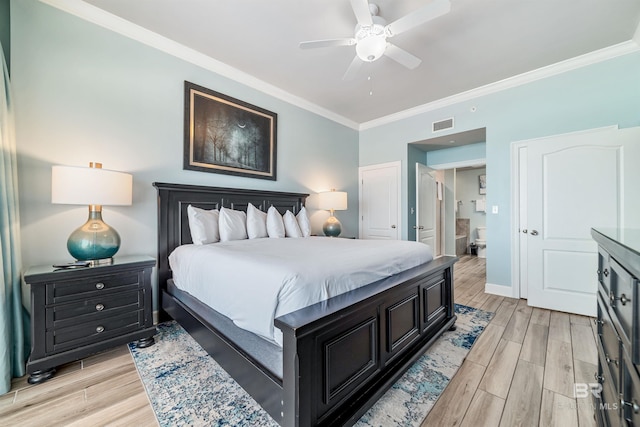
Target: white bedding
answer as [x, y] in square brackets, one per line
[253, 281]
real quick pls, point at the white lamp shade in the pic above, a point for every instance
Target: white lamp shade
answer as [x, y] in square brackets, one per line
[90, 186]
[336, 200]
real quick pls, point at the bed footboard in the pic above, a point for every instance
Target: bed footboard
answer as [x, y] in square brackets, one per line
[342, 354]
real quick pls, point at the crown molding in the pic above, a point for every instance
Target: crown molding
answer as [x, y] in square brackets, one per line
[590, 58]
[128, 29]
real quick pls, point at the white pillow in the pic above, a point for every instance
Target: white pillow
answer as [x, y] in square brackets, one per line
[233, 225]
[275, 226]
[303, 222]
[203, 225]
[256, 222]
[291, 227]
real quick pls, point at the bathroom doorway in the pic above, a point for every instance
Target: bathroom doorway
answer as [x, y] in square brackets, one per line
[470, 211]
[452, 156]
[461, 217]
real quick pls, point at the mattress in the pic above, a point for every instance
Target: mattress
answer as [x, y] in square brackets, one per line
[253, 281]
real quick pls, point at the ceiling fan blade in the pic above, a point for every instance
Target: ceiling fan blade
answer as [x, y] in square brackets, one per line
[420, 16]
[327, 43]
[361, 10]
[402, 57]
[353, 69]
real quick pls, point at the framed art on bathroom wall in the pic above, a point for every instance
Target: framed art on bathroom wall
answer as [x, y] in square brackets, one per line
[482, 184]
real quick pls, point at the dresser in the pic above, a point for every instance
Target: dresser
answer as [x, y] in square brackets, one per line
[81, 311]
[617, 398]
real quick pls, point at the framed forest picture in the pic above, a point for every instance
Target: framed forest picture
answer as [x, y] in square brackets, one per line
[225, 135]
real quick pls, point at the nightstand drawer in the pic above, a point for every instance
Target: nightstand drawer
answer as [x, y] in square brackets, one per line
[107, 305]
[97, 330]
[69, 290]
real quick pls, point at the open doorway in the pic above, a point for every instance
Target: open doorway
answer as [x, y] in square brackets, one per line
[460, 206]
[470, 211]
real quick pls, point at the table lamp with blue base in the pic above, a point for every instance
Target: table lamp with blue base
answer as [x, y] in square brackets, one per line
[332, 201]
[94, 241]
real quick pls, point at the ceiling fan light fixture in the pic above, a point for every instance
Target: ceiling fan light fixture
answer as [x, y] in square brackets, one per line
[371, 48]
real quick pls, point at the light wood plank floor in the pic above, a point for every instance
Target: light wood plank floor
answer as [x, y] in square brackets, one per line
[521, 371]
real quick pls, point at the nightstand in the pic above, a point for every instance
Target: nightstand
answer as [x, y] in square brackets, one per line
[81, 311]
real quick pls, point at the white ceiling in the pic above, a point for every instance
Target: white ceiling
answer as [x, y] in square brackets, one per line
[479, 42]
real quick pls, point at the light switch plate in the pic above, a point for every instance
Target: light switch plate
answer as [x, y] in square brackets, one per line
[494, 209]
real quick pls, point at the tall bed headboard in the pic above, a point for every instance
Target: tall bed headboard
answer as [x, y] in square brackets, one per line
[173, 224]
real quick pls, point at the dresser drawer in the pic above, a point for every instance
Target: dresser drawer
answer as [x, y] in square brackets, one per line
[623, 302]
[607, 400]
[69, 290]
[103, 306]
[604, 271]
[609, 344]
[93, 331]
[630, 393]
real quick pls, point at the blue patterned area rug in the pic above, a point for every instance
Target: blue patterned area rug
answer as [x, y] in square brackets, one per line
[187, 387]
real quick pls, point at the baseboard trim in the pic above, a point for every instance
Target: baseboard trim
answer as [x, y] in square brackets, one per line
[503, 291]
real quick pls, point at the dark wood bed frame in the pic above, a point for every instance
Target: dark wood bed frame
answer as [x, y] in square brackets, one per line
[339, 355]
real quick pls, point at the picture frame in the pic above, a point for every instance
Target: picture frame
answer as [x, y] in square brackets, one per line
[228, 136]
[482, 184]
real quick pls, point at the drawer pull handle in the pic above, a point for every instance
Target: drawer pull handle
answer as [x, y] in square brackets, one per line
[99, 285]
[609, 360]
[623, 299]
[598, 322]
[634, 405]
[599, 378]
[99, 307]
[606, 272]
[100, 329]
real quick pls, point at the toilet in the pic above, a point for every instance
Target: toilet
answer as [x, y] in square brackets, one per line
[481, 242]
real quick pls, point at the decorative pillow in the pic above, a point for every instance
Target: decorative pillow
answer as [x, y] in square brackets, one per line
[275, 226]
[291, 227]
[303, 222]
[233, 225]
[256, 222]
[203, 225]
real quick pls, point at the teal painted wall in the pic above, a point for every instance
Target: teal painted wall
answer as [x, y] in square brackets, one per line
[84, 93]
[5, 30]
[607, 93]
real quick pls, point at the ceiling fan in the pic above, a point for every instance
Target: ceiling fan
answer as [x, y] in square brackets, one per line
[372, 32]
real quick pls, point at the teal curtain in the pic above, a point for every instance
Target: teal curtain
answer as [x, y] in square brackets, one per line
[12, 339]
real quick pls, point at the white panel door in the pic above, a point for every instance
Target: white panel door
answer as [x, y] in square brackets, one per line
[380, 201]
[574, 183]
[426, 194]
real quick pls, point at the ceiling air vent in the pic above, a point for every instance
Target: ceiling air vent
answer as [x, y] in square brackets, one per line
[442, 125]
